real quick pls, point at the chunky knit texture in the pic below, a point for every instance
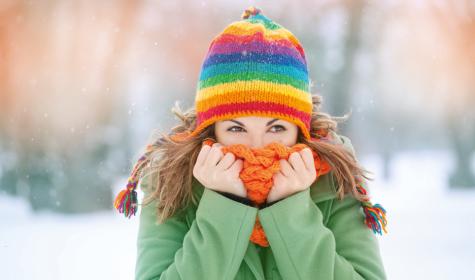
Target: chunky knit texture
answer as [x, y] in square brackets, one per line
[254, 67]
[259, 167]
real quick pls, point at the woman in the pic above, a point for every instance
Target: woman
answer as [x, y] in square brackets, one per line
[198, 218]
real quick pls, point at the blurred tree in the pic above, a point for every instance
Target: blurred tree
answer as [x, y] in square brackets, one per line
[86, 185]
[342, 87]
[69, 147]
[455, 20]
[381, 120]
[8, 173]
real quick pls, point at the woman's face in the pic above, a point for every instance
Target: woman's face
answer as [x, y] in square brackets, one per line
[255, 132]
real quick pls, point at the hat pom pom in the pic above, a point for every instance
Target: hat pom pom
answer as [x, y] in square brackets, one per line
[250, 11]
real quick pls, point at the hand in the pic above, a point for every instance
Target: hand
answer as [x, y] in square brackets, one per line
[295, 175]
[219, 172]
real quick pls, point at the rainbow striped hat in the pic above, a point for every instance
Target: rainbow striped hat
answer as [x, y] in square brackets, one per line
[254, 67]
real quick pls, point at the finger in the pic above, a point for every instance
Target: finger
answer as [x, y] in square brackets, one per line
[308, 160]
[297, 163]
[214, 155]
[278, 177]
[286, 168]
[226, 161]
[203, 154]
[236, 167]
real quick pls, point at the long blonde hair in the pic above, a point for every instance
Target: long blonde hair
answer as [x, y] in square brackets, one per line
[171, 162]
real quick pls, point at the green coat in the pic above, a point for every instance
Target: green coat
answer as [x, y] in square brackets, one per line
[312, 235]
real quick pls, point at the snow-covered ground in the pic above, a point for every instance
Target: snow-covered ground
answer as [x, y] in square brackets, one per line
[431, 227]
[431, 230]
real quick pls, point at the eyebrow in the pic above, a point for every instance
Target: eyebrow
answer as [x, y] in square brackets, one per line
[241, 124]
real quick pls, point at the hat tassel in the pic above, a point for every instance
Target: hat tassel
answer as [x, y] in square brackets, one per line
[375, 214]
[375, 217]
[126, 202]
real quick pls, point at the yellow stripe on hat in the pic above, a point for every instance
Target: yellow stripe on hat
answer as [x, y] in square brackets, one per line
[256, 85]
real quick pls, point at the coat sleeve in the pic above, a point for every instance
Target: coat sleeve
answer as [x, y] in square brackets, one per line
[305, 248]
[213, 247]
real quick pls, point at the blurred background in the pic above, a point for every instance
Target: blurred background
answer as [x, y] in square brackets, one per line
[85, 84]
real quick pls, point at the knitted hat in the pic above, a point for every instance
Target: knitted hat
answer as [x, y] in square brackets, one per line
[254, 67]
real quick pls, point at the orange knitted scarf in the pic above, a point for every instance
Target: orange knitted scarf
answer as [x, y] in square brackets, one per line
[259, 166]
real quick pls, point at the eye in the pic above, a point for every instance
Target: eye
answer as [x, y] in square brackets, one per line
[231, 129]
[279, 126]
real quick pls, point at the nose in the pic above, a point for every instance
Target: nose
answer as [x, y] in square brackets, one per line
[257, 141]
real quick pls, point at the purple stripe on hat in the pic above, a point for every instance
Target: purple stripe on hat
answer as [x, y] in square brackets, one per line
[275, 59]
[260, 46]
